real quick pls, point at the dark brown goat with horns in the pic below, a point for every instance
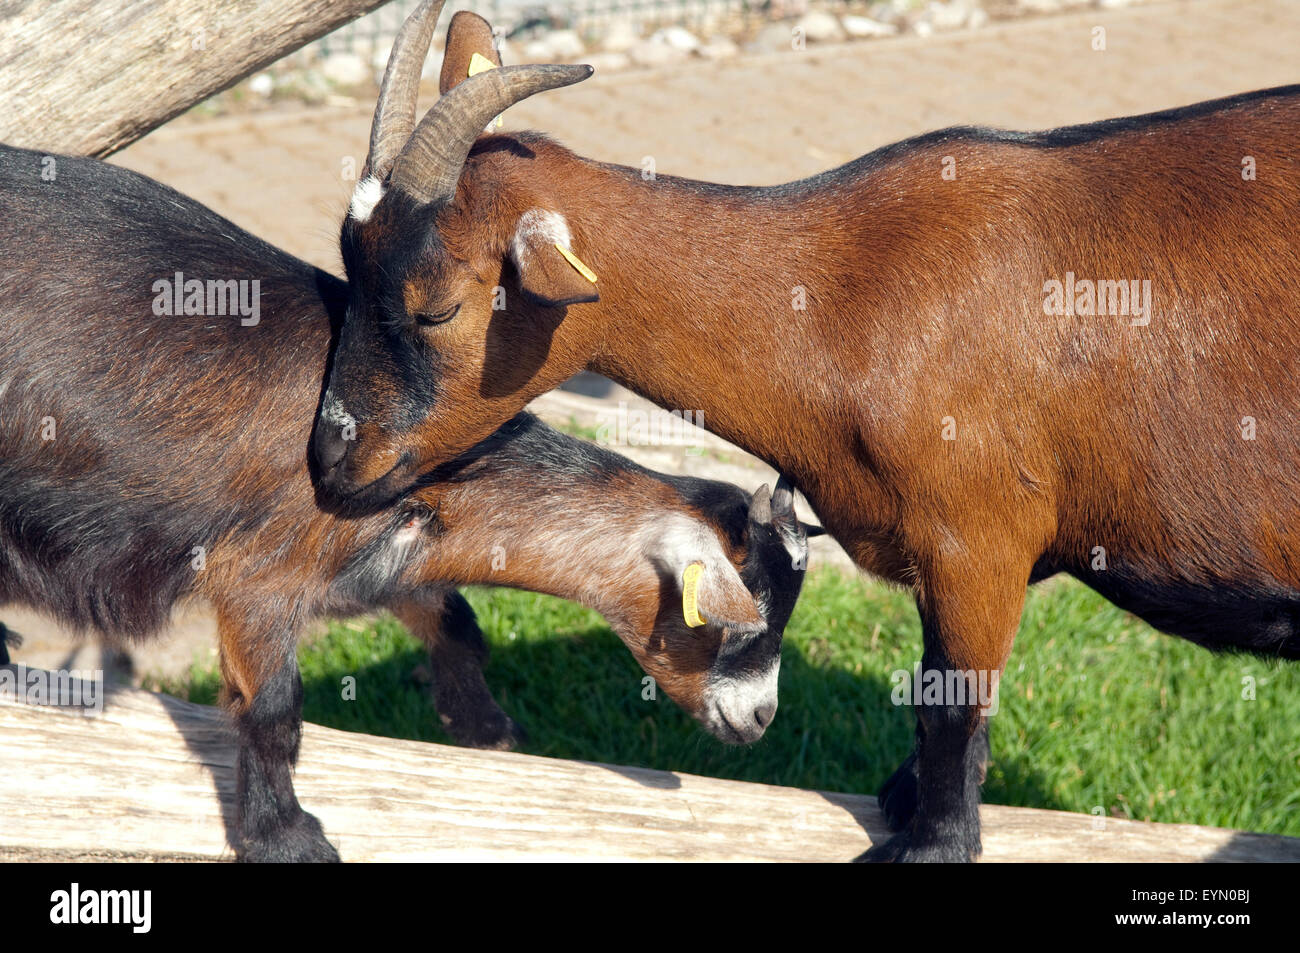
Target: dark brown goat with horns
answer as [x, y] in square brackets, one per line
[1074, 355]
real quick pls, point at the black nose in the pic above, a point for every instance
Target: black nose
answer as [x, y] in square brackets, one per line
[764, 714]
[331, 448]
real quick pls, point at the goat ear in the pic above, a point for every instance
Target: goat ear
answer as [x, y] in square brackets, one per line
[468, 35]
[720, 596]
[549, 271]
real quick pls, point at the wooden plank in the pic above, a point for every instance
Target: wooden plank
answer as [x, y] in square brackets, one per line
[83, 77]
[151, 778]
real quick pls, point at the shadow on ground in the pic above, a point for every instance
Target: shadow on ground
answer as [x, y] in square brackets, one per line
[579, 695]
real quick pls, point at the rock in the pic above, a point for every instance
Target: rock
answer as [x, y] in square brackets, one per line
[654, 52]
[555, 46]
[379, 61]
[346, 69]
[606, 62]
[678, 38]
[773, 38]
[621, 36]
[949, 16]
[718, 48]
[783, 9]
[567, 44]
[863, 27]
[820, 27]
[307, 85]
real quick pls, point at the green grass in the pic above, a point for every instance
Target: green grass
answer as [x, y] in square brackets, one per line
[1097, 710]
[582, 431]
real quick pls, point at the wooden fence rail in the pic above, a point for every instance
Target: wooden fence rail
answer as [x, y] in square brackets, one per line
[86, 77]
[152, 777]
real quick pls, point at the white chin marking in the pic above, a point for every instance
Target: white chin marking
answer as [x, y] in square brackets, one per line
[538, 228]
[734, 701]
[751, 691]
[365, 197]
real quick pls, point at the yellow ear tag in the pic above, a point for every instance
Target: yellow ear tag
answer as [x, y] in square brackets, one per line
[576, 262]
[479, 63]
[690, 595]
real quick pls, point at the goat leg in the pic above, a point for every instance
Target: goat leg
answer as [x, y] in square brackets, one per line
[445, 623]
[263, 690]
[898, 795]
[968, 650]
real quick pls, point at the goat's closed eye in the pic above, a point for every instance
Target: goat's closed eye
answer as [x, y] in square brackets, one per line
[426, 319]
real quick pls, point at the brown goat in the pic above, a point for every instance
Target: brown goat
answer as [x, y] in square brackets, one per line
[986, 357]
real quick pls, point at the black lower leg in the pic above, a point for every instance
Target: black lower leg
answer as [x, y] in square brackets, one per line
[949, 769]
[898, 796]
[457, 654]
[273, 827]
[970, 609]
[933, 798]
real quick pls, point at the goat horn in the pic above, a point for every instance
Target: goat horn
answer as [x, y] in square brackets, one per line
[783, 496]
[395, 110]
[429, 165]
[760, 505]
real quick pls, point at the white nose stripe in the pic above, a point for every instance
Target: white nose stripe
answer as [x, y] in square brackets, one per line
[333, 412]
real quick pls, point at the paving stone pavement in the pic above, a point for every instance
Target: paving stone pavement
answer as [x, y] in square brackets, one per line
[753, 120]
[764, 119]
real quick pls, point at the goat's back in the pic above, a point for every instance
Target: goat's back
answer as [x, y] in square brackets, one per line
[128, 437]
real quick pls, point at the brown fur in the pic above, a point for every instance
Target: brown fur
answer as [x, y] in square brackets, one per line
[924, 303]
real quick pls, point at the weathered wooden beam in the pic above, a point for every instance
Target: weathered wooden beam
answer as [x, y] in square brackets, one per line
[86, 77]
[152, 777]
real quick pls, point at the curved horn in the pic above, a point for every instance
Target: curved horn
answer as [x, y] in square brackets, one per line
[760, 505]
[429, 165]
[783, 497]
[395, 110]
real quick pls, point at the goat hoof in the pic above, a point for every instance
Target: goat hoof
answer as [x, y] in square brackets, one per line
[494, 732]
[898, 796]
[902, 849]
[300, 841]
